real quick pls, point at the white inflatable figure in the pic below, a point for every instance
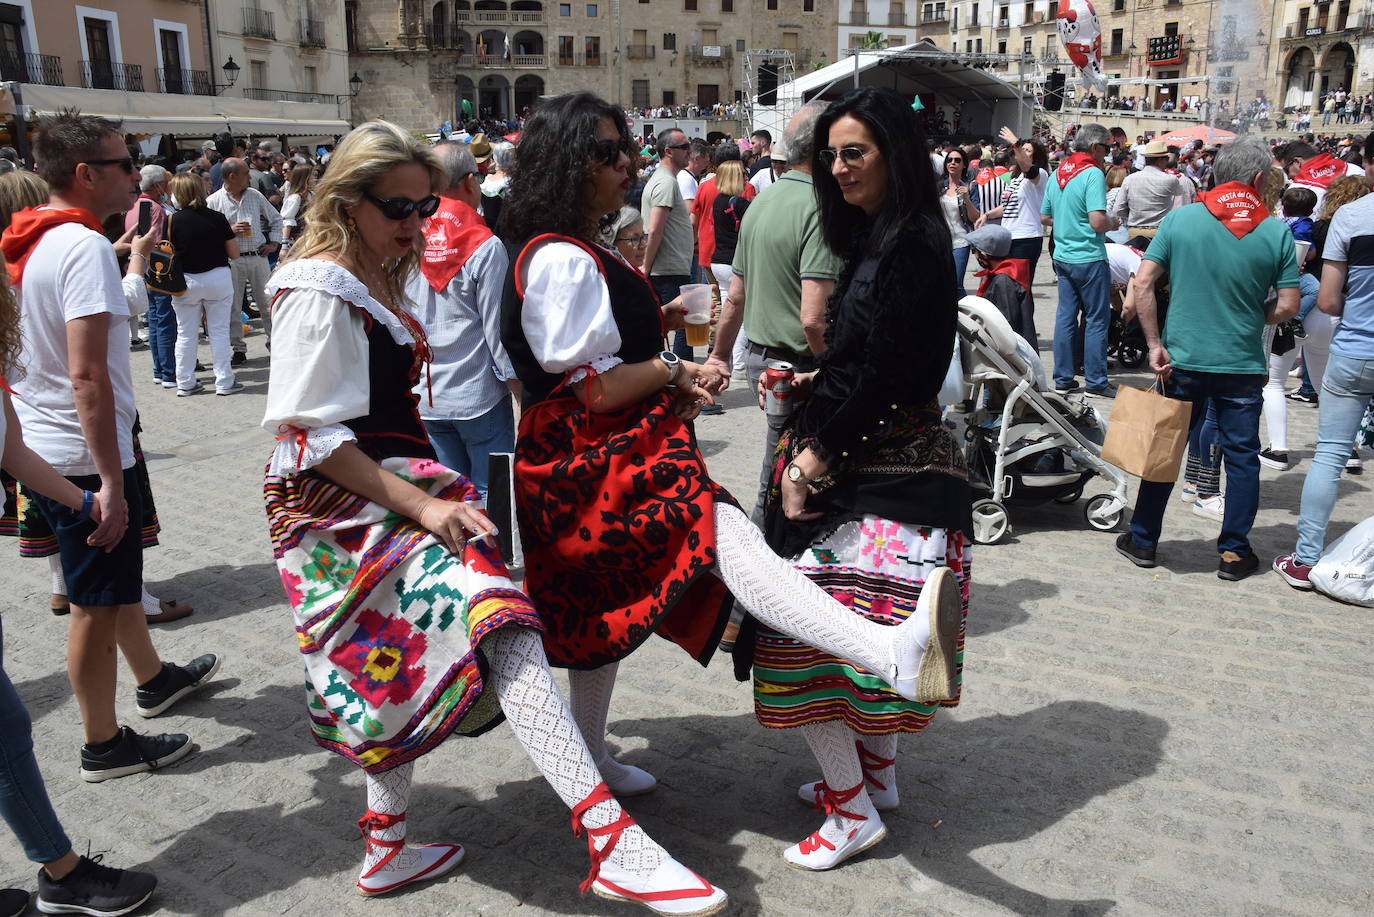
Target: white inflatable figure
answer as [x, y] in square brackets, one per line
[1081, 35]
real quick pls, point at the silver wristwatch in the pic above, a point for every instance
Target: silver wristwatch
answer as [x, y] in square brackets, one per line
[674, 364]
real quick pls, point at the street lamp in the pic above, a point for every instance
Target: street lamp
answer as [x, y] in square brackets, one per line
[355, 85]
[231, 74]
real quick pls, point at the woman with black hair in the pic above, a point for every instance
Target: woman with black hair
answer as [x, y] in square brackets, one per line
[877, 511]
[625, 533]
[959, 209]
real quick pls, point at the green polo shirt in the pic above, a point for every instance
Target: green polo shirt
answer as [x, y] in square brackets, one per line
[1075, 241]
[1218, 285]
[780, 244]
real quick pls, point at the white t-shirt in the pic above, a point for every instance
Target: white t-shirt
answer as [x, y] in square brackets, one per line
[1021, 209]
[1123, 262]
[762, 179]
[687, 184]
[71, 273]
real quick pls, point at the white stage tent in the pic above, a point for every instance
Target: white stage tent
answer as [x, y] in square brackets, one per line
[985, 101]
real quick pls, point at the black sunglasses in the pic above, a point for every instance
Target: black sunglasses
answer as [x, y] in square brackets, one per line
[125, 163]
[679, 146]
[398, 208]
[608, 151]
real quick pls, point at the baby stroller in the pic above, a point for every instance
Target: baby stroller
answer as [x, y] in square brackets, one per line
[1025, 443]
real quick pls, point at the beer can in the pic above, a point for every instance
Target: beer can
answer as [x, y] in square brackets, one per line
[777, 383]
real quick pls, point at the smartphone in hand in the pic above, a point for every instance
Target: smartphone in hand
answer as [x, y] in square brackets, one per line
[145, 217]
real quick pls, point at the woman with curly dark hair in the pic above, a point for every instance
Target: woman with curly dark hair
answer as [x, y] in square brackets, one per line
[878, 512]
[625, 533]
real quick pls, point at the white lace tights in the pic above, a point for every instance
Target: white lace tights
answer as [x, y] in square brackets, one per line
[832, 742]
[786, 601]
[590, 699]
[544, 725]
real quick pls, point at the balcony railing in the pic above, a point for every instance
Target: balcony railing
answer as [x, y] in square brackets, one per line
[103, 74]
[491, 16]
[43, 69]
[529, 61]
[712, 54]
[447, 40]
[312, 33]
[531, 17]
[258, 23]
[937, 16]
[185, 82]
[582, 60]
[857, 19]
[640, 52]
[287, 95]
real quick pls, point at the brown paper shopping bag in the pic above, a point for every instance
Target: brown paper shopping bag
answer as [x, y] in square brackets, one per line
[1147, 434]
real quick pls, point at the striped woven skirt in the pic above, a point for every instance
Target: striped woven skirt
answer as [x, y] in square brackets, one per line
[388, 622]
[877, 568]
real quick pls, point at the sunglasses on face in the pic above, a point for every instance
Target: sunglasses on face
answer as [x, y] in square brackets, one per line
[398, 208]
[125, 163]
[608, 151]
[679, 146]
[955, 161]
[850, 156]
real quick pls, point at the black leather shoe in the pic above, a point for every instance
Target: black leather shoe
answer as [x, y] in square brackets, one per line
[238, 359]
[1127, 548]
[1233, 567]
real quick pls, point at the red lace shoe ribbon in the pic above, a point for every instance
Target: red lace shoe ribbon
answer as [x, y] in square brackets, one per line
[380, 821]
[871, 762]
[600, 794]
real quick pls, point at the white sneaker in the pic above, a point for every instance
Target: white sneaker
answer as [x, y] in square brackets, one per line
[672, 890]
[1188, 493]
[819, 852]
[927, 675]
[883, 800]
[1212, 507]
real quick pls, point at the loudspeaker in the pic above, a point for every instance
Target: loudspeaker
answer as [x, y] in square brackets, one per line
[768, 83]
[1054, 91]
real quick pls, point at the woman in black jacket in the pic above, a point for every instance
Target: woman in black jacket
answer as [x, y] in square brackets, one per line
[870, 498]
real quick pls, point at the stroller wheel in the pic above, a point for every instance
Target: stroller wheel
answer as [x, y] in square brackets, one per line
[1103, 512]
[1131, 354]
[990, 522]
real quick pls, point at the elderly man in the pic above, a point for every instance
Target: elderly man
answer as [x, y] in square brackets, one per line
[1222, 256]
[248, 212]
[465, 402]
[162, 320]
[76, 404]
[1076, 206]
[1147, 196]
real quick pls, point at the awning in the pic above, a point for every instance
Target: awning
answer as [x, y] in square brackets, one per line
[187, 116]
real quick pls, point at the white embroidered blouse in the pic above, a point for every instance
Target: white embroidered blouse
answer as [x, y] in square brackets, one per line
[566, 314]
[319, 361]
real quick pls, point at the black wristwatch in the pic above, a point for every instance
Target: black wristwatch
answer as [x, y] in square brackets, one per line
[674, 364]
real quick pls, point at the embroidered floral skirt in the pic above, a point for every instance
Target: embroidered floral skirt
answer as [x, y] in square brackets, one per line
[877, 568]
[36, 538]
[388, 622]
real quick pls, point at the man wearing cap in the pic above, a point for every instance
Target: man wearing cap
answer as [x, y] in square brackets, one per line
[1006, 282]
[1147, 196]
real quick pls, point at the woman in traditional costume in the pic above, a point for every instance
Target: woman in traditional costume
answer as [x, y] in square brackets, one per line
[409, 627]
[625, 534]
[883, 517]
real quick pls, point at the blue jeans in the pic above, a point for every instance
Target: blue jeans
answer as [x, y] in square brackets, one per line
[1308, 286]
[1346, 388]
[1083, 288]
[23, 799]
[961, 256]
[1236, 398]
[464, 445]
[162, 336]
[667, 287]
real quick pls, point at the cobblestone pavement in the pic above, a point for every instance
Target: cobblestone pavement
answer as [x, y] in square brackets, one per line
[1130, 741]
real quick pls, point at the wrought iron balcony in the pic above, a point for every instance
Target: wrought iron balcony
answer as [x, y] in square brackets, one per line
[258, 23]
[287, 95]
[186, 82]
[312, 33]
[104, 74]
[43, 69]
[640, 52]
[712, 54]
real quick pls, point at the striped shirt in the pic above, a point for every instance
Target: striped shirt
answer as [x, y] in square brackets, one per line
[254, 208]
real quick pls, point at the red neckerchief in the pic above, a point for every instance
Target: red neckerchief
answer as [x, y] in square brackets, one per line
[1237, 206]
[1076, 163]
[1320, 171]
[29, 226]
[452, 234]
[1018, 269]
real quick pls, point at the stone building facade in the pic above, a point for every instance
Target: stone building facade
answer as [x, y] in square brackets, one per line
[1322, 47]
[420, 59]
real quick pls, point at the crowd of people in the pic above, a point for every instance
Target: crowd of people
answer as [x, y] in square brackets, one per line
[426, 306]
